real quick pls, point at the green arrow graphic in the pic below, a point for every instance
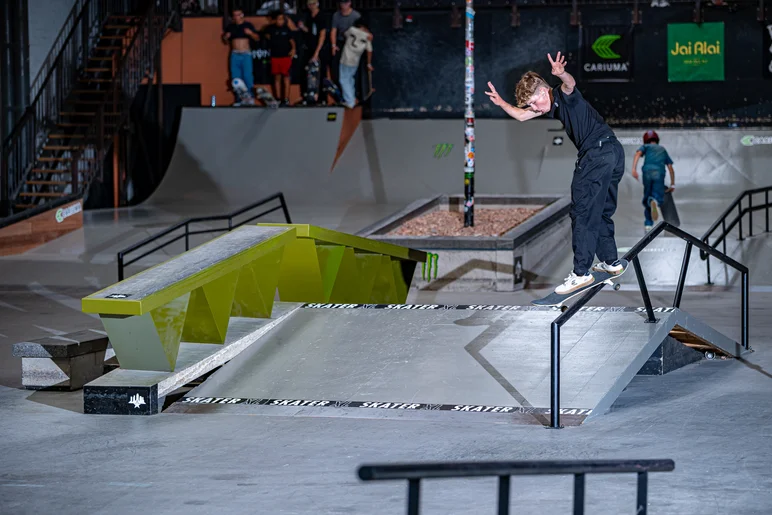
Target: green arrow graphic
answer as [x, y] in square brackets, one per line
[602, 46]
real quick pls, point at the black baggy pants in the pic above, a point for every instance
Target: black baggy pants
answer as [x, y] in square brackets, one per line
[594, 201]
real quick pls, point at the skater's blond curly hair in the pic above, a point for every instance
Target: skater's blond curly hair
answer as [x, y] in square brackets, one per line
[529, 83]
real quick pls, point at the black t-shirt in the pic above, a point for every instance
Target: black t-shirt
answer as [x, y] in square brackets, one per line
[279, 40]
[240, 31]
[315, 24]
[584, 126]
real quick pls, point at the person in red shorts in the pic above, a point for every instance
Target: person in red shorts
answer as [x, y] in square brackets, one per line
[282, 47]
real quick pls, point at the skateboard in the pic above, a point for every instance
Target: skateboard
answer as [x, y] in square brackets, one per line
[369, 85]
[332, 89]
[243, 95]
[557, 300]
[669, 211]
[267, 98]
[312, 82]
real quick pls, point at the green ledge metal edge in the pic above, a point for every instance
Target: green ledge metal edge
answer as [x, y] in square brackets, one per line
[358, 243]
[104, 306]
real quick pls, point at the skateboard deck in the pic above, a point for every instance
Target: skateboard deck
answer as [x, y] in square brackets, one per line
[557, 300]
[368, 86]
[312, 82]
[267, 98]
[669, 211]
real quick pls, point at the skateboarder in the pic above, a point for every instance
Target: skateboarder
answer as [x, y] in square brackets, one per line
[317, 49]
[599, 167]
[238, 33]
[655, 159]
[282, 52]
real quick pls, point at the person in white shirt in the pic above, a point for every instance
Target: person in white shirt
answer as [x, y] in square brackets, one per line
[358, 39]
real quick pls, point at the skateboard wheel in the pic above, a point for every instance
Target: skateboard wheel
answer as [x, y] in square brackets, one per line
[709, 354]
[563, 309]
[616, 287]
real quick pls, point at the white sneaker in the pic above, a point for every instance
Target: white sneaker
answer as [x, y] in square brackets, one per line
[613, 269]
[574, 282]
[654, 210]
[647, 228]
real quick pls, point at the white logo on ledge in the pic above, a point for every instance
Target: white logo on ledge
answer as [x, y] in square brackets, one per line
[137, 400]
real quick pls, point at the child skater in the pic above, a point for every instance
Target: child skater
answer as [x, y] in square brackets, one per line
[655, 159]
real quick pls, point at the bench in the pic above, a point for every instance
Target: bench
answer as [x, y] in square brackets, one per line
[65, 362]
[191, 297]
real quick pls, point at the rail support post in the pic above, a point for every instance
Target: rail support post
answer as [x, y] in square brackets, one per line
[555, 377]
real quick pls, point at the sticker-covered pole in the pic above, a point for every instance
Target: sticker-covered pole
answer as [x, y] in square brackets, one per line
[469, 118]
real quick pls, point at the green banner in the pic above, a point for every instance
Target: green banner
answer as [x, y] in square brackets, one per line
[695, 52]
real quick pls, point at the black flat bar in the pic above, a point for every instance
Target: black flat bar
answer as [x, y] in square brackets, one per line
[504, 483]
[166, 243]
[643, 493]
[509, 468]
[555, 375]
[644, 290]
[682, 276]
[579, 494]
[413, 496]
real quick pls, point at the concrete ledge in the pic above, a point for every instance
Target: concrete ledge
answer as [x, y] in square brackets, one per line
[142, 392]
[64, 362]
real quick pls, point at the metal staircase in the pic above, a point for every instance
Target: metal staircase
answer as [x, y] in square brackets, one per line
[106, 50]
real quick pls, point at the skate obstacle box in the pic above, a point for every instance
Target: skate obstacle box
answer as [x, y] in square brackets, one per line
[181, 319]
[64, 362]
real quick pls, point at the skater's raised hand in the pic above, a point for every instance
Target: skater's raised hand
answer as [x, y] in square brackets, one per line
[494, 96]
[558, 64]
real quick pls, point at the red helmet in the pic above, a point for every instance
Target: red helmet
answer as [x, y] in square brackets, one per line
[650, 136]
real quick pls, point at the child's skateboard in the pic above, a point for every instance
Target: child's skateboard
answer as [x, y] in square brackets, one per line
[243, 95]
[312, 82]
[557, 300]
[669, 211]
[267, 98]
[369, 86]
[331, 89]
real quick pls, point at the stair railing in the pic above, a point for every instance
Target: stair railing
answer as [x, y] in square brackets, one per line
[736, 211]
[23, 145]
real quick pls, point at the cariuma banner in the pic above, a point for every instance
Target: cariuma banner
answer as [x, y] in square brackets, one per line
[695, 52]
[606, 54]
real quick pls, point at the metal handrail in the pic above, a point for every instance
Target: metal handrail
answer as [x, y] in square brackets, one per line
[632, 255]
[56, 48]
[726, 228]
[415, 472]
[186, 224]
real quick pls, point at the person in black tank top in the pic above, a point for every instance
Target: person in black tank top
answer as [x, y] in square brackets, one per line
[599, 167]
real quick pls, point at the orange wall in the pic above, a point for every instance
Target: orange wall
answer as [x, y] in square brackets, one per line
[197, 55]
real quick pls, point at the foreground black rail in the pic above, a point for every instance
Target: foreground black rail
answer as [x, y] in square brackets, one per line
[739, 212]
[632, 255]
[187, 233]
[415, 472]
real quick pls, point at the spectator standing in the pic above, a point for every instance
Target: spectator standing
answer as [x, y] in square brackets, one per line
[282, 47]
[238, 33]
[315, 30]
[357, 41]
[342, 20]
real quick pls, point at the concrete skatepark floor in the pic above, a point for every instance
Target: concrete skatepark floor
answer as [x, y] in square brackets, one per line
[712, 418]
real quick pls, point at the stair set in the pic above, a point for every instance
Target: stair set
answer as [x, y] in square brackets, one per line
[76, 116]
